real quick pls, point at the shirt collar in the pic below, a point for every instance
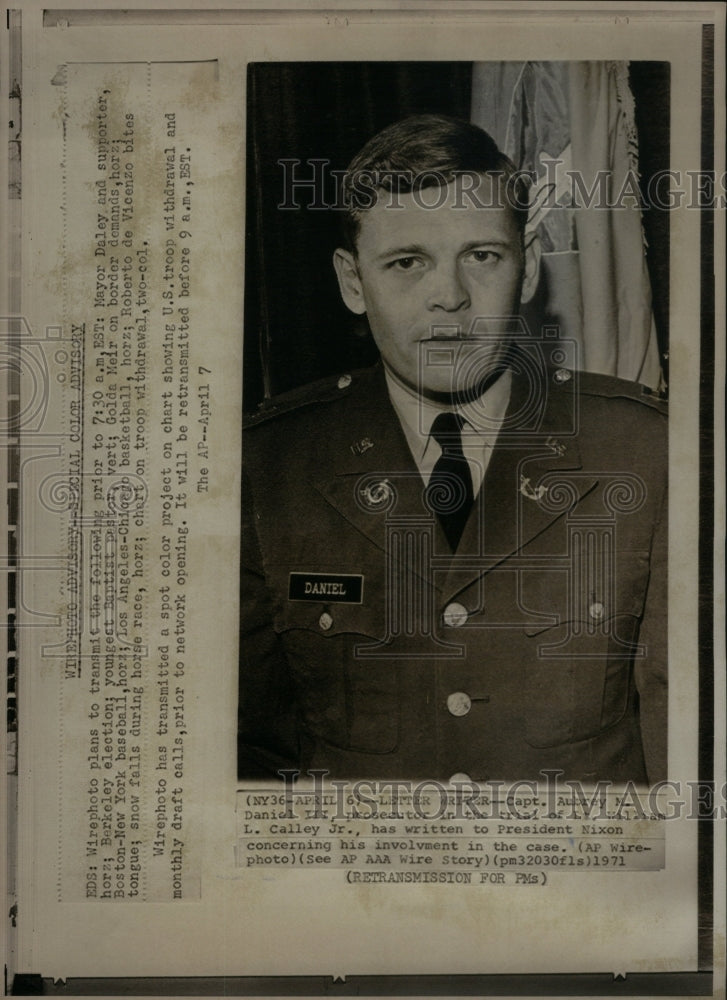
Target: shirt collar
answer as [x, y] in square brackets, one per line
[417, 413]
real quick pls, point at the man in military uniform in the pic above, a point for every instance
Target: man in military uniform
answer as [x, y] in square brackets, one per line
[454, 564]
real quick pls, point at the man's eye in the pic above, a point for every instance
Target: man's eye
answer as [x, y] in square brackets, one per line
[484, 256]
[404, 263]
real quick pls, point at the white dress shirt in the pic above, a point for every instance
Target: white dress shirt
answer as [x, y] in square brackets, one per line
[483, 419]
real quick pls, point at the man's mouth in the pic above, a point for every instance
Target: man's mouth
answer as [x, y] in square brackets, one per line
[487, 329]
[461, 337]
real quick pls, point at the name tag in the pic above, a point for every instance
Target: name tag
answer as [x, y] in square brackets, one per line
[346, 588]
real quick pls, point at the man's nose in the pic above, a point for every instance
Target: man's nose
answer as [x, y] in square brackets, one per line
[448, 292]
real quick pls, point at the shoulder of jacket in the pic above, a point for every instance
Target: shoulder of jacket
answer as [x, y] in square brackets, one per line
[324, 391]
[609, 386]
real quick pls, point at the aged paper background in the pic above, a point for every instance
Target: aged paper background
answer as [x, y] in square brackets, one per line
[232, 921]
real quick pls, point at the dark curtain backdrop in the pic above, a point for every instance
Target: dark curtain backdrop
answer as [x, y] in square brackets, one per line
[296, 327]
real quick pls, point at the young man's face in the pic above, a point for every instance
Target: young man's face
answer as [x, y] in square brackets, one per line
[423, 276]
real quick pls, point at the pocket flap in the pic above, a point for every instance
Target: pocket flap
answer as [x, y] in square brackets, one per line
[592, 596]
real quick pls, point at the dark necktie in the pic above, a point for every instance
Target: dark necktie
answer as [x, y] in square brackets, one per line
[449, 492]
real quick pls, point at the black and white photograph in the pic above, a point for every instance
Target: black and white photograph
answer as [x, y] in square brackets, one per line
[454, 558]
[362, 416]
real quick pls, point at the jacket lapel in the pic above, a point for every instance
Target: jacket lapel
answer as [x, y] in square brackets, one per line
[533, 480]
[372, 477]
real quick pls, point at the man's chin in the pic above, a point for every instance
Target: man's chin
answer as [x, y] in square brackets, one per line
[447, 391]
[460, 368]
[447, 387]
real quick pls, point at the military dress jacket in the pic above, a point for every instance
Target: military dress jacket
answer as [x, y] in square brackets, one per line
[369, 649]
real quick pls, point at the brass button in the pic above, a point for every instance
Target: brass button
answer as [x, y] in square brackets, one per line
[458, 777]
[344, 381]
[455, 615]
[325, 621]
[458, 703]
[596, 610]
[562, 375]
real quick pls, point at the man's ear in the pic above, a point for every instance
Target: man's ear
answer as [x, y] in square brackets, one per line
[349, 281]
[531, 243]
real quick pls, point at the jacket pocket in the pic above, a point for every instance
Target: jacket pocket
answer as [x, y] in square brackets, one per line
[346, 700]
[579, 677]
